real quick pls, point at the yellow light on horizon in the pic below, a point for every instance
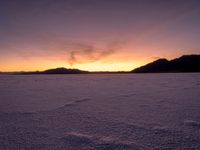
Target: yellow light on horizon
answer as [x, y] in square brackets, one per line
[118, 62]
[95, 66]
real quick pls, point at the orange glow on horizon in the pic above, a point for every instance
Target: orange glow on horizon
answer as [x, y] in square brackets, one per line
[87, 67]
[117, 62]
[40, 65]
[124, 59]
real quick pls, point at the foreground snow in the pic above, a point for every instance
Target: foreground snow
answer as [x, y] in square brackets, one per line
[100, 112]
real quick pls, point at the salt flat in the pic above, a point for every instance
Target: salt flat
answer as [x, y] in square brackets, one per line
[100, 112]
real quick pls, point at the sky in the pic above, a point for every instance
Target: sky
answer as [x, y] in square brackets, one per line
[95, 35]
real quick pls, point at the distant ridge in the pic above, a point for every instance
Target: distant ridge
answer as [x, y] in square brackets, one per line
[56, 71]
[185, 63]
[63, 71]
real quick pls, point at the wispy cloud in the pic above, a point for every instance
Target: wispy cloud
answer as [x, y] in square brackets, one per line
[83, 53]
[72, 52]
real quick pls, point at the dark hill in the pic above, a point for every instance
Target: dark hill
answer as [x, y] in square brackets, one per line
[56, 71]
[63, 71]
[186, 63]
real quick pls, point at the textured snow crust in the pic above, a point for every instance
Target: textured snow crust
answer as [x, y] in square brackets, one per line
[100, 112]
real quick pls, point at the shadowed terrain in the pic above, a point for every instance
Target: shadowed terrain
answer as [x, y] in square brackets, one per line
[186, 63]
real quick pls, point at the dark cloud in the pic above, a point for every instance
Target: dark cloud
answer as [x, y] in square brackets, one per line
[83, 53]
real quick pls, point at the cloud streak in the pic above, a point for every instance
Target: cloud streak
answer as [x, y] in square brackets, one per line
[84, 53]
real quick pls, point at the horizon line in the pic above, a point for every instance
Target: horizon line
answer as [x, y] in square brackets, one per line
[97, 71]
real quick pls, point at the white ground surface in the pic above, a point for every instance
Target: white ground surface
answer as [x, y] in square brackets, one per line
[100, 112]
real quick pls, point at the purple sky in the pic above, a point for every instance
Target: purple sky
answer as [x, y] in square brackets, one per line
[95, 34]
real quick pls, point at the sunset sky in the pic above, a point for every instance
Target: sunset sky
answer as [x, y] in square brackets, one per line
[95, 35]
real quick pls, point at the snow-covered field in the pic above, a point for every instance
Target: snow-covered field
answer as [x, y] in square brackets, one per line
[100, 112]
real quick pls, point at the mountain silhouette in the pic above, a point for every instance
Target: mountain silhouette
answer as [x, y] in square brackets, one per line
[57, 71]
[185, 63]
[63, 71]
